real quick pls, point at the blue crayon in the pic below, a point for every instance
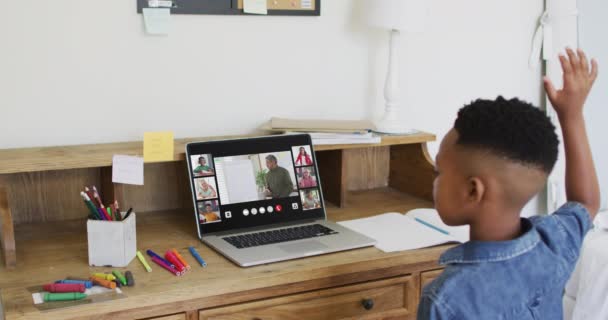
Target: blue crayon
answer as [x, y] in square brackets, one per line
[152, 254]
[197, 257]
[87, 284]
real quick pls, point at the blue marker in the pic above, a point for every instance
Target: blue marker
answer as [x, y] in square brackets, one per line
[87, 284]
[152, 254]
[197, 257]
[432, 226]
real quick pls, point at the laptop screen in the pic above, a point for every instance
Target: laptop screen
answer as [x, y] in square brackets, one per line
[253, 182]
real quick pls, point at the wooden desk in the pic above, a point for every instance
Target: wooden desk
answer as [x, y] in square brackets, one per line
[324, 287]
[40, 197]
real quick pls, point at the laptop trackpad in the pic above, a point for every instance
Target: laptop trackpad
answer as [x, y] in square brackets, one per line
[311, 247]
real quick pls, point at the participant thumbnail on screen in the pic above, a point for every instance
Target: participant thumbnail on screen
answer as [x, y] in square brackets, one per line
[307, 177]
[202, 165]
[205, 188]
[310, 199]
[209, 211]
[255, 177]
[302, 156]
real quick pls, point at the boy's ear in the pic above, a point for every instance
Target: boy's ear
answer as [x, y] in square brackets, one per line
[476, 189]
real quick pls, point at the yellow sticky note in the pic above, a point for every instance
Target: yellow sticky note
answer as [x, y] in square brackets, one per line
[158, 146]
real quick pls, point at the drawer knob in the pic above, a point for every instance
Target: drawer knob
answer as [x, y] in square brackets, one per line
[368, 304]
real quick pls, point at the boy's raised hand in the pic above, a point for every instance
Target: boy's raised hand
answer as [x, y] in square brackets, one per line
[578, 80]
[581, 179]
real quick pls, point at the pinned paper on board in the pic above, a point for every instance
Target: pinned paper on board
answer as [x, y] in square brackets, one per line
[306, 4]
[157, 20]
[128, 169]
[158, 146]
[255, 6]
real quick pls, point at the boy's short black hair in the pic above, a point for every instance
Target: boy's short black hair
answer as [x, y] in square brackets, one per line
[509, 128]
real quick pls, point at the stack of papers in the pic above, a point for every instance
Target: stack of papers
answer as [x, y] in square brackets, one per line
[416, 229]
[332, 126]
[327, 131]
[320, 138]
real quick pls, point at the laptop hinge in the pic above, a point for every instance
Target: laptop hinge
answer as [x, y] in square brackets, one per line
[264, 227]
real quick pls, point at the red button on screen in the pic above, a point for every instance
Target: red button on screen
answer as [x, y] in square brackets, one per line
[279, 208]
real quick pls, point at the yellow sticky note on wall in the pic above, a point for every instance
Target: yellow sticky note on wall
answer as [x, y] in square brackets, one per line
[158, 146]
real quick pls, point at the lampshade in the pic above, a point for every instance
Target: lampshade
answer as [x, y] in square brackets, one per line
[403, 15]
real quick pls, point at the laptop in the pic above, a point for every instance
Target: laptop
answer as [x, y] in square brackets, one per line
[259, 200]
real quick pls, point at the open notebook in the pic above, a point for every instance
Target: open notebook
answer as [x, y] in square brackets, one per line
[418, 228]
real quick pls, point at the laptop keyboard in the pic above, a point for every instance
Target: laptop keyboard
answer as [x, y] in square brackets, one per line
[279, 235]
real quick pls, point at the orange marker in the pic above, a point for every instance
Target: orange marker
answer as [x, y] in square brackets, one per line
[179, 257]
[103, 282]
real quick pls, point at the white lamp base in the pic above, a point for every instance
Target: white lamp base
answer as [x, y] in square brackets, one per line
[389, 122]
[392, 126]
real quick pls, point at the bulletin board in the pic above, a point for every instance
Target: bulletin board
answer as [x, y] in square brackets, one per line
[235, 7]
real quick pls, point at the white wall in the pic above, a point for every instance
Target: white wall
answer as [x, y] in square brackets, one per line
[592, 38]
[75, 71]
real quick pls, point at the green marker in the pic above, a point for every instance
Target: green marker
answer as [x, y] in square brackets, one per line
[67, 296]
[120, 277]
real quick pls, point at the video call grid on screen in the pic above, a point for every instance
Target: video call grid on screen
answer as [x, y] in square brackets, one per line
[232, 171]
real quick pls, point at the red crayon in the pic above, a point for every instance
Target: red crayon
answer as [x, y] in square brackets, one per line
[106, 214]
[167, 267]
[173, 259]
[90, 194]
[64, 287]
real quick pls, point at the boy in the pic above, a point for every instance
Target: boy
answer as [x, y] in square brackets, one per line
[494, 160]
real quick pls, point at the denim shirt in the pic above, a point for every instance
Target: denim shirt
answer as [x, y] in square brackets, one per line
[519, 279]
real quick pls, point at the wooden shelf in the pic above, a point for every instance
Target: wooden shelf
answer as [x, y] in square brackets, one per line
[100, 155]
[387, 140]
[51, 251]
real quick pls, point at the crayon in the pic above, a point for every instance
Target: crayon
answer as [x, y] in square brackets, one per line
[64, 287]
[197, 256]
[105, 276]
[166, 266]
[97, 196]
[143, 261]
[89, 194]
[104, 283]
[120, 277]
[101, 214]
[173, 259]
[181, 259]
[76, 278]
[128, 213]
[105, 213]
[64, 296]
[130, 278]
[87, 283]
[152, 254]
[90, 205]
[117, 211]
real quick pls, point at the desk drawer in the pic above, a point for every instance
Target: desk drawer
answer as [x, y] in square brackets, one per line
[179, 316]
[383, 299]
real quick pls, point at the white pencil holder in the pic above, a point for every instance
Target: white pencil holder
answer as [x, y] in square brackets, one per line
[112, 243]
